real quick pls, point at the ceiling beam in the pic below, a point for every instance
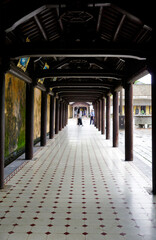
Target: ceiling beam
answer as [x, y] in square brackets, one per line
[69, 73]
[81, 99]
[83, 86]
[80, 84]
[49, 49]
[79, 91]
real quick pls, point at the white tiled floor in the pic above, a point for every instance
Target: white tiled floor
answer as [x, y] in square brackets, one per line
[77, 187]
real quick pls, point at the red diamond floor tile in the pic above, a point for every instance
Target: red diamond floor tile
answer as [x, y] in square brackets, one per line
[82, 181]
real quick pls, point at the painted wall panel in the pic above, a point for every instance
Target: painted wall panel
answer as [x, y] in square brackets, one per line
[37, 113]
[15, 97]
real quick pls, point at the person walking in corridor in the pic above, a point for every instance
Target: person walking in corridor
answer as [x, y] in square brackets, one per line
[92, 117]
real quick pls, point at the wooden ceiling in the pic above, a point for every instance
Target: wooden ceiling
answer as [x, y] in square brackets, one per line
[92, 47]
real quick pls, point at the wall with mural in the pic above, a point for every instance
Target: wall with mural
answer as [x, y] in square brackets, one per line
[15, 109]
[37, 113]
[15, 97]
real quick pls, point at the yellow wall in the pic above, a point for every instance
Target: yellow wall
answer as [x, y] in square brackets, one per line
[70, 111]
[148, 109]
[15, 110]
[15, 98]
[37, 113]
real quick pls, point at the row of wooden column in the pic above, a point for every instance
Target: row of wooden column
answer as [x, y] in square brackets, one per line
[99, 120]
[129, 120]
[58, 115]
[99, 107]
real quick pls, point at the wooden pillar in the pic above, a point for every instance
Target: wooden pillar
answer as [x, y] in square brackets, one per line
[66, 114]
[95, 113]
[29, 129]
[115, 119]
[62, 114]
[108, 117]
[129, 122]
[65, 120]
[43, 118]
[2, 126]
[100, 114]
[97, 119]
[153, 74]
[94, 106]
[60, 117]
[103, 117]
[57, 116]
[51, 133]
[121, 105]
[73, 112]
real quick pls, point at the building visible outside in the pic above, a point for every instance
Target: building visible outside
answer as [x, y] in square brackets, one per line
[141, 102]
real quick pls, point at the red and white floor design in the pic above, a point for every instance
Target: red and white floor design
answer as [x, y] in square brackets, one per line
[77, 188]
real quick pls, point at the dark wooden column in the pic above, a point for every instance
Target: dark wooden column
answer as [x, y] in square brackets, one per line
[43, 118]
[129, 122]
[2, 125]
[100, 114]
[108, 117]
[97, 119]
[121, 105]
[51, 133]
[115, 119]
[29, 129]
[57, 116]
[94, 107]
[103, 117]
[60, 116]
[66, 113]
[153, 74]
[63, 119]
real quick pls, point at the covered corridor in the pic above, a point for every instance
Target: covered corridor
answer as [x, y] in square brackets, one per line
[77, 187]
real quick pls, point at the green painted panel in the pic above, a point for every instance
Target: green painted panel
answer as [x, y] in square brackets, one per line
[15, 97]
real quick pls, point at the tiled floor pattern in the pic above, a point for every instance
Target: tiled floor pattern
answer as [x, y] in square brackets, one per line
[142, 149]
[77, 188]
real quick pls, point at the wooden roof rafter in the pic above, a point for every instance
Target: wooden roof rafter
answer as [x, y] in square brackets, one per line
[112, 46]
[40, 27]
[119, 27]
